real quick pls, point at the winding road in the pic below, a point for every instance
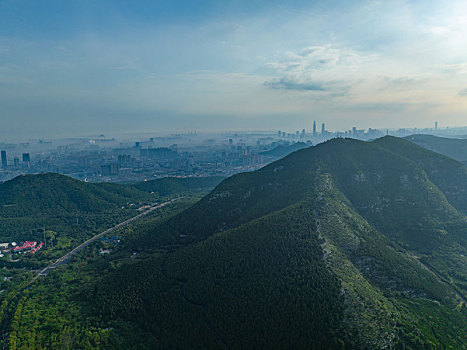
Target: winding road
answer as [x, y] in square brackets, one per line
[68, 255]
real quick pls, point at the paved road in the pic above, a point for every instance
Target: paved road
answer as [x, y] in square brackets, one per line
[68, 255]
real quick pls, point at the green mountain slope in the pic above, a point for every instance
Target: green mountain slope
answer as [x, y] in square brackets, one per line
[203, 280]
[68, 208]
[453, 148]
[50, 314]
[64, 212]
[58, 202]
[361, 234]
[447, 174]
[282, 151]
[170, 185]
[33, 194]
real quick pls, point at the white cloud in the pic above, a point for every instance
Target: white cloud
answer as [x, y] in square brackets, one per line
[439, 30]
[318, 69]
[457, 68]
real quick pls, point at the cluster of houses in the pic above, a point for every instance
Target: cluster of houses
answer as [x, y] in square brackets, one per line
[30, 247]
[109, 240]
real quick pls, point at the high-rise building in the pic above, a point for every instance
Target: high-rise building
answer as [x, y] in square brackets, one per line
[109, 169]
[4, 161]
[279, 133]
[314, 128]
[26, 158]
[16, 161]
[323, 129]
[114, 169]
[436, 125]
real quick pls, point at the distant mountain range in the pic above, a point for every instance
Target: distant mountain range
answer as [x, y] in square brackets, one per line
[348, 244]
[454, 148]
[284, 150]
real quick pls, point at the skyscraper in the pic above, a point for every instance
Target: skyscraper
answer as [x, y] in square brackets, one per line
[323, 129]
[26, 158]
[436, 125]
[314, 128]
[4, 161]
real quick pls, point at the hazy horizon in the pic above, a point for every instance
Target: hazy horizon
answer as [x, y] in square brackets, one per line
[78, 67]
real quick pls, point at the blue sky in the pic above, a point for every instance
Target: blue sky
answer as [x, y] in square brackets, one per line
[76, 67]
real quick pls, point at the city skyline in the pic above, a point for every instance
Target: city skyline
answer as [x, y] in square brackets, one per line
[125, 135]
[190, 154]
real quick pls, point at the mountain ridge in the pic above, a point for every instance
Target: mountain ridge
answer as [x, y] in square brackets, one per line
[455, 148]
[383, 252]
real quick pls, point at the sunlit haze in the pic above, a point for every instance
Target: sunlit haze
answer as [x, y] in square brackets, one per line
[69, 68]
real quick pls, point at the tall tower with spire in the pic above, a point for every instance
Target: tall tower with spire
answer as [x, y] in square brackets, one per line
[314, 128]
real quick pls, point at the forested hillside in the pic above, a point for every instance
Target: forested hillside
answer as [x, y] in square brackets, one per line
[369, 231]
[58, 213]
[68, 209]
[456, 148]
[33, 194]
[170, 185]
[55, 202]
[346, 245]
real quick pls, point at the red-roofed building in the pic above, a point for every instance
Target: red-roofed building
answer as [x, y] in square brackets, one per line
[26, 245]
[33, 251]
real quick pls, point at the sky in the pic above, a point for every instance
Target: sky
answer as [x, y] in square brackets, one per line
[69, 68]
